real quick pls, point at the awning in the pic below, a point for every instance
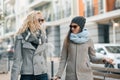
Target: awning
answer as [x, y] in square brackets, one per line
[105, 16]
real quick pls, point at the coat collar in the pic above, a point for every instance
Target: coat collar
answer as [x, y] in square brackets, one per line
[25, 43]
[40, 48]
[28, 45]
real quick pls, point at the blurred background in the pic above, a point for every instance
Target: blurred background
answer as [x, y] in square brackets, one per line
[103, 21]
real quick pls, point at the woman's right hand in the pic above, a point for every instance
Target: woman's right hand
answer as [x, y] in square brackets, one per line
[109, 60]
[56, 78]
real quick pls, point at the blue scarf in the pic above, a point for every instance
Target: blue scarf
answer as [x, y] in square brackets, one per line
[81, 37]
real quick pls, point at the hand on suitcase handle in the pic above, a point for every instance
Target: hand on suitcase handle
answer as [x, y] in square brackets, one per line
[109, 60]
[56, 78]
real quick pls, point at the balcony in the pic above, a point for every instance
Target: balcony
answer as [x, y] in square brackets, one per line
[105, 16]
[58, 22]
[30, 1]
[38, 3]
[12, 2]
[7, 1]
[102, 7]
[61, 14]
[117, 4]
[10, 16]
[9, 11]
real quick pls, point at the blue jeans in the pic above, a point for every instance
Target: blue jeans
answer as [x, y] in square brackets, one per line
[34, 77]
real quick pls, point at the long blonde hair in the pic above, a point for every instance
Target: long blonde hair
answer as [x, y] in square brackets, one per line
[31, 22]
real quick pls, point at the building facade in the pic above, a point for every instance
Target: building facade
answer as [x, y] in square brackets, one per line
[101, 16]
[7, 22]
[57, 13]
[103, 19]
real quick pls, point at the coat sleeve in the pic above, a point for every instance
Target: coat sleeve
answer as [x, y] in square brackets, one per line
[92, 54]
[17, 60]
[63, 60]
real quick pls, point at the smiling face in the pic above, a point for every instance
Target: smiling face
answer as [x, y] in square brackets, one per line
[40, 18]
[35, 21]
[75, 28]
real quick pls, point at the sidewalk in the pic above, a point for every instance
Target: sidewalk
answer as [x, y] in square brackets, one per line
[56, 64]
[6, 76]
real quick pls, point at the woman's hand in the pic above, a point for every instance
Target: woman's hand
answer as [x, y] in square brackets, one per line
[108, 60]
[56, 78]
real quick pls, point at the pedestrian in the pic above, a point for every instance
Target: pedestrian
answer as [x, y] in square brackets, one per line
[30, 49]
[77, 52]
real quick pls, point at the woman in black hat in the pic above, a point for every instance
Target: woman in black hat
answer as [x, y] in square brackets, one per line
[77, 52]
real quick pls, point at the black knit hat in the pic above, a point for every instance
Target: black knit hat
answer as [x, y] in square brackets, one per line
[80, 20]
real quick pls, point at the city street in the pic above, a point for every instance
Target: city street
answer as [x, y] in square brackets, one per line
[6, 76]
[78, 29]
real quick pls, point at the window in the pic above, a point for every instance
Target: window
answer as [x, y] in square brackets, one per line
[103, 33]
[113, 49]
[89, 8]
[101, 6]
[117, 4]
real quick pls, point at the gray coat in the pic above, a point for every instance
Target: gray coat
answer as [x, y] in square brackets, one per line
[77, 59]
[28, 60]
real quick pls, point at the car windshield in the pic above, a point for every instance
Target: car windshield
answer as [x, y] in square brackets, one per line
[113, 49]
[98, 50]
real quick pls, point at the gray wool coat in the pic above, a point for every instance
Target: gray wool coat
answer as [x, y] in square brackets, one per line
[28, 60]
[77, 59]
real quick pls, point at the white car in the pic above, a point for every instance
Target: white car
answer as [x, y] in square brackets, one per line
[109, 51]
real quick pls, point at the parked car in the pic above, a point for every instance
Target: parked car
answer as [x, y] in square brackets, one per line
[109, 51]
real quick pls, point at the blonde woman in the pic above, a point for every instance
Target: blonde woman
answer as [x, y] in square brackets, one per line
[30, 57]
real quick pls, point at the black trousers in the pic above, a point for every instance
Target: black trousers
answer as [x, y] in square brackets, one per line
[34, 77]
